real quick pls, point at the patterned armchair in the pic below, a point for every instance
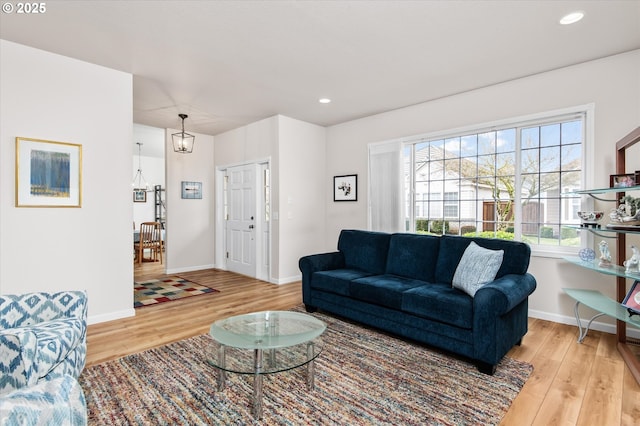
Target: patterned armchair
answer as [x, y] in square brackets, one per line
[43, 346]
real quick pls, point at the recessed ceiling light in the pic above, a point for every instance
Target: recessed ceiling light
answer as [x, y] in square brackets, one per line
[572, 18]
[324, 100]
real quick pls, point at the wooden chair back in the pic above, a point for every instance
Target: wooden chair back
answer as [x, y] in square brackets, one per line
[150, 239]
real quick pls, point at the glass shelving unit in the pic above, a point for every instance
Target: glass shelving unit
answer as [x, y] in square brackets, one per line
[594, 299]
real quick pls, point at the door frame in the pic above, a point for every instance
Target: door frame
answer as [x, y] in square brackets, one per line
[220, 234]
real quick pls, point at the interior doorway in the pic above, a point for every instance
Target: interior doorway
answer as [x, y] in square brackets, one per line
[148, 184]
[245, 219]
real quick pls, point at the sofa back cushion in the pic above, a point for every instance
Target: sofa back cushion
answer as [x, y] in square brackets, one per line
[364, 250]
[413, 256]
[515, 260]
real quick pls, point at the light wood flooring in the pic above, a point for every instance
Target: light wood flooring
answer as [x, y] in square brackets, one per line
[572, 383]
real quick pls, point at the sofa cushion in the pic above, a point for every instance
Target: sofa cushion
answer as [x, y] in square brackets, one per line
[56, 339]
[439, 302]
[384, 290]
[478, 266]
[515, 261]
[413, 256]
[336, 280]
[364, 250]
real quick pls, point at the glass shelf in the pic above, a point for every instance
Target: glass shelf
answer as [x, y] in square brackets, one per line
[605, 190]
[612, 231]
[601, 303]
[615, 270]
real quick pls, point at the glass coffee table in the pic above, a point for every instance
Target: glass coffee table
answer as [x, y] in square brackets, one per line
[265, 343]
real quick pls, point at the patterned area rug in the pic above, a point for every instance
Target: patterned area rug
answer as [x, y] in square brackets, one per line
[363, 377]
[165, 290]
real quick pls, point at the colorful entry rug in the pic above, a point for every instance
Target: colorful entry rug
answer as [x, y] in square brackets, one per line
[165, 290]
[362, 377]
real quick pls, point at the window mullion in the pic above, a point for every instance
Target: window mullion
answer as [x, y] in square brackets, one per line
[517, 208]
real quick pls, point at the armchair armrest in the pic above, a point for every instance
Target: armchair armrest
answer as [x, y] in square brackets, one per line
[17, 359]
[57, 401]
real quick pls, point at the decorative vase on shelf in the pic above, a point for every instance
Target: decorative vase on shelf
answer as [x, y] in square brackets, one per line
[587, 255]
[590, 219]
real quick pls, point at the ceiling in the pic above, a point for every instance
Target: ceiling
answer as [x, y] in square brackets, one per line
[229, 63]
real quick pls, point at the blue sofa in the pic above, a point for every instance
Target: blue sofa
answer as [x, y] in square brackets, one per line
[402, 283]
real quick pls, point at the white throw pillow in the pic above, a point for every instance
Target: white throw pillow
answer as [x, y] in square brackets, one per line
[477, 267]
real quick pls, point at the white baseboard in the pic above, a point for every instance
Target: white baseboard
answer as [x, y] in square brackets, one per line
[189, 269]
[596, 325]
[95, 319]
[287, 280]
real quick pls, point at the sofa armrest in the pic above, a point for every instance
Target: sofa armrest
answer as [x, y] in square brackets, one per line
[17, 359]
[505, 293]
[321, 262]
[317, 262]
[500, 311]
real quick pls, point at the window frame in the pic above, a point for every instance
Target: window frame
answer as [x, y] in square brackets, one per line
[584, 112]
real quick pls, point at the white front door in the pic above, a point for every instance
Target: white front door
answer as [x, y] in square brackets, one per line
[241, 219]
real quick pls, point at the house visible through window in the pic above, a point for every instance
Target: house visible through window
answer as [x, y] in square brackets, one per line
[509, 182]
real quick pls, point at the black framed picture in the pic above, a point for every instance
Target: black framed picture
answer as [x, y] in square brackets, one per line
[632, 300]
[345, 188]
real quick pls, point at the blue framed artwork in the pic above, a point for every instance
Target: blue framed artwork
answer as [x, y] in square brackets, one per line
[48, 173]
[192, 190]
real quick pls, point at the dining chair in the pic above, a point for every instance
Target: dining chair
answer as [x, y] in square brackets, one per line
[150, 239]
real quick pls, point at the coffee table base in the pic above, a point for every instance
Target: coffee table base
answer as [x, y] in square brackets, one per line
[256, 398]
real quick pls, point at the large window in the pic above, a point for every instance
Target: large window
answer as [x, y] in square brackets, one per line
[507, 182]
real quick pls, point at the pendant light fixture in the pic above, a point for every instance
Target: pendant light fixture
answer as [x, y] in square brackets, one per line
[139, 183]
[183, 142]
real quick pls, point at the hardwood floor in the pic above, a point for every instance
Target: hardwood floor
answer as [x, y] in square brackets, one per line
[572, 383]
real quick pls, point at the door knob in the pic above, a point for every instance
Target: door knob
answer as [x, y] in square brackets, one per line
[250, 226]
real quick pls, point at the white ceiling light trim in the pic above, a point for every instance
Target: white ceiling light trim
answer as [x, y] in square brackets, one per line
[324, 100]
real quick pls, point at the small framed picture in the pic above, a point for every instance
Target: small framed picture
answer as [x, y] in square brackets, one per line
[139, 196]
[622, 181]
[192, 190]
[345, 188]
[632, 300]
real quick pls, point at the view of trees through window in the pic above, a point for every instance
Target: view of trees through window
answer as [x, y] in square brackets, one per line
[509, 183]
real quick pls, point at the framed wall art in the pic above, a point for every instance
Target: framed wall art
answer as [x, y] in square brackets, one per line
[48, 173]
[345, 188]
[192, 190]
[139, 196]
[632, 300]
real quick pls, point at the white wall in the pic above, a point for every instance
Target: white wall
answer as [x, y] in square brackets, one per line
[190, 232]
[612, 84]
[302, 195]
[47, 96]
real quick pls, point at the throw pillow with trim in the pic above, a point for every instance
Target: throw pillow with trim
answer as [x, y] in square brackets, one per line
[478, 266]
